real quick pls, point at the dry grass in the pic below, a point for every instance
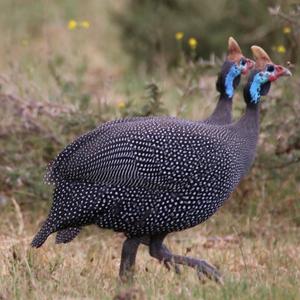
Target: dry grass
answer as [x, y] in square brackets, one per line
[260, 259]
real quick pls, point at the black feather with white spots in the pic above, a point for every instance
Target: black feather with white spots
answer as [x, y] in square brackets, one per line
[66, 235]
[154, 175]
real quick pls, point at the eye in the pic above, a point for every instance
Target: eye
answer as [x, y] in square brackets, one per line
[270, 68]
[242, 61]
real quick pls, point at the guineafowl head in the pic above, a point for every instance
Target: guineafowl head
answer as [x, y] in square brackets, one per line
[264, 73]
[236, 64]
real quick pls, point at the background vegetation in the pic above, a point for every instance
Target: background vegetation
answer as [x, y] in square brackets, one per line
[67, 66]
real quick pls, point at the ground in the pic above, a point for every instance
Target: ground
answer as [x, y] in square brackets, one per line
[259, 259]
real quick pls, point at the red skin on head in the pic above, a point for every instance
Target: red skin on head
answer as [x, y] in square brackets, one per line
[279, 71]
[249, 65]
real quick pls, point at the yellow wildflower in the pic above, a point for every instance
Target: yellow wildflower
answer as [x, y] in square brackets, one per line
[121, 104]
[25, 42]
[72, 24]
[179, 35]
[193, 43]
[286, 30]
[281, 49]
[85, 24]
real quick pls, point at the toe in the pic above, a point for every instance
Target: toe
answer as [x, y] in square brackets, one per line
[210, 271]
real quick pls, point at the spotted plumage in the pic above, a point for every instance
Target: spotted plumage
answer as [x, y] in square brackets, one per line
[157, 174]
[66, 235]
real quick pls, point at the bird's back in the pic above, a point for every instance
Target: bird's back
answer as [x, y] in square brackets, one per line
[155, 152]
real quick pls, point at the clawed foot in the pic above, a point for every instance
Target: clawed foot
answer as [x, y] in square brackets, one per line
[128, 256]
[204, 269]
[159, 251]
[170, 264]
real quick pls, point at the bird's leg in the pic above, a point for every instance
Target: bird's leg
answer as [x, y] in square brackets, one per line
[146, 241]
[168, 263]
[202, 267]
[155, 251]
[129, 250]
[158, 250]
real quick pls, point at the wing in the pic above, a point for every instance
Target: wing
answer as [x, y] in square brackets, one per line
[69, 164]
[145, 152]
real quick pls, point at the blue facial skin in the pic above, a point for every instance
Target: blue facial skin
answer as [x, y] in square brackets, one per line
[231, 75]
[255, 88]
[234, 71]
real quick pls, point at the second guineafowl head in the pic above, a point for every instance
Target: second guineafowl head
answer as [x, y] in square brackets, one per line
[236, 64]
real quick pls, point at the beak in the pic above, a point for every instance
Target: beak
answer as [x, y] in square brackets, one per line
[287, 72]
[282, 71]
[249, 65]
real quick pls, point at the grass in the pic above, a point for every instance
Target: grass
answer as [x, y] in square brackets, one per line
[57, 84]
[260, 259]
[254, 239]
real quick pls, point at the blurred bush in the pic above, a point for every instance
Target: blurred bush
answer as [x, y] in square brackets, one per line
[58, 83]
[70, 88]
[289, 18]
[148, 27]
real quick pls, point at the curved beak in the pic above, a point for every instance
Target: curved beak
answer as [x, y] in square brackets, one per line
[250, 64]
[282, 71]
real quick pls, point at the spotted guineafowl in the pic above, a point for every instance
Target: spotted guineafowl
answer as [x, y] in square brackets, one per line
[234, 66]
[156, 175]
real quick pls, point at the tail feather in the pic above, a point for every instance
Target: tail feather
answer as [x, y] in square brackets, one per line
[41, 236]
[67, 235]
[70, 210]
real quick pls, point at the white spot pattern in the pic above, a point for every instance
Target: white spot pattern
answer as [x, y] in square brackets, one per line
[153, 175]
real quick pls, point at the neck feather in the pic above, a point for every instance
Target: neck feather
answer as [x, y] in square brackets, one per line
[249, 122]
[223, 112]
[247, 130]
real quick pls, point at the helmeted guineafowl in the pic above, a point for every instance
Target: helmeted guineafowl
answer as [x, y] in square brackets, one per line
[155, 175]
[235, 65]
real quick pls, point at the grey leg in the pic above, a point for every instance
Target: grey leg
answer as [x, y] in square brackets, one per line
[168, 263]
[158, 250]
[128, 256]
[129, 250]
[146, 241]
